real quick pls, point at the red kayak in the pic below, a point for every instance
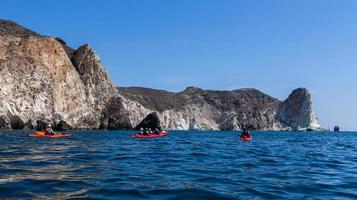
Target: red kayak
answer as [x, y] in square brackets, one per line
[162, 134]
[246, 138]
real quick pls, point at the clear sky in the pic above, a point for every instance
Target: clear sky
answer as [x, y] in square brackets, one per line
[271, 45]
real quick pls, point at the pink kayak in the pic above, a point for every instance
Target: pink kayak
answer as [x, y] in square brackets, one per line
[162, 134]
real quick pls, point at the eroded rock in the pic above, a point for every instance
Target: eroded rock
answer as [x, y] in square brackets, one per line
[39, 80]
[16, 122]
[62, 126]
[115, 116]
[296, 111]
[5, 122]
[151, 121]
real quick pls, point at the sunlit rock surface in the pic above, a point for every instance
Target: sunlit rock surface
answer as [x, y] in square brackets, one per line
[44, 80]
[198, 109]
[296, 111]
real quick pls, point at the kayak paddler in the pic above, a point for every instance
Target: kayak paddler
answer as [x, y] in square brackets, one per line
[49, 130]
[245, 133]
[156, 131]
[146, 132]
[141, 132]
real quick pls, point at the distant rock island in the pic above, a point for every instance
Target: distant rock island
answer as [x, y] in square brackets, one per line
[44, 80]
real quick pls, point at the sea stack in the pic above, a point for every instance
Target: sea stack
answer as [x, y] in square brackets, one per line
[296, 111]
[336, 129]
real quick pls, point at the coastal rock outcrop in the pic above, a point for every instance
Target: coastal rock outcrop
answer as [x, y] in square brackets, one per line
[296, 111]
[151, 121]
[198, 109]
[5, 122]
[43, 80]
[115, 116]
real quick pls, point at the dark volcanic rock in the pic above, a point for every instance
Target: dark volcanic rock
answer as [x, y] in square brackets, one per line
[62, 126]
[5, 122]
[16, 122]
[115, 116]
[151, 121]
[238, 100]
[40, 125]
[336, 129]
[159, 100]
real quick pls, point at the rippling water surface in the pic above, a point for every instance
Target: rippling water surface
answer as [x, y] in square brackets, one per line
[184, 165]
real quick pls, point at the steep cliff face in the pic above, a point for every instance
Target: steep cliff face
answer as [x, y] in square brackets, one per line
[40, 82]
[296, 111]
[98, 88]
[44, 80]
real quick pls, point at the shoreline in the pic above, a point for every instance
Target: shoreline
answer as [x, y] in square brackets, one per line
[196, 131]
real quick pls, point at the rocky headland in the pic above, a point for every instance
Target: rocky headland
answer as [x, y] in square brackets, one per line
[42, 80]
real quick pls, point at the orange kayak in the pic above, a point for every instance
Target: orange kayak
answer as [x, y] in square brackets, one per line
[56, 135]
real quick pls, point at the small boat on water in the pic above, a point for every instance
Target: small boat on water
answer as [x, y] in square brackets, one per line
[152, 135]
[55, 135]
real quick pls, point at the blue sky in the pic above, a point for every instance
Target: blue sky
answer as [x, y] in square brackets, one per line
[271, 45]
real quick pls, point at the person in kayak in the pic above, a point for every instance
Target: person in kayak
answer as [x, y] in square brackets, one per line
[245, 133]
[141, 132]
[156, 131]
[146, 132]
[49, 130]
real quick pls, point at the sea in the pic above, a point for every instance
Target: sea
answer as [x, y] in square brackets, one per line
[183, 165]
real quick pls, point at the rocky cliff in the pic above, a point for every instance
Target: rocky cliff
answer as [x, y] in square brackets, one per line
[198, 109]
[296, 111]
[44, 80]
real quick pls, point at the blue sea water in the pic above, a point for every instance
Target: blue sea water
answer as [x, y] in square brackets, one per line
[184, 165]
